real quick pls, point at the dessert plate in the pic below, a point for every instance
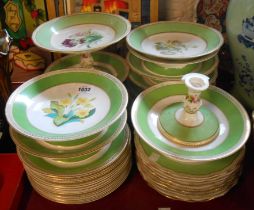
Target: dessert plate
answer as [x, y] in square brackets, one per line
[81, 32]
[232, 136]
[66, 105]
[175, 40]
[104, 61]
[117, 147]
[69, 149]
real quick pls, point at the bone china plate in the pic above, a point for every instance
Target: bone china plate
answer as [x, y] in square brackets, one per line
[66, 105]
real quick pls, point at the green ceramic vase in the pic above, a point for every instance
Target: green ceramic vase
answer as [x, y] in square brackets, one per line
[240, 31]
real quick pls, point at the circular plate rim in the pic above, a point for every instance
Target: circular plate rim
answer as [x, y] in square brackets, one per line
[34, 34]
[187, 59]
[244, 136]
[18, 128]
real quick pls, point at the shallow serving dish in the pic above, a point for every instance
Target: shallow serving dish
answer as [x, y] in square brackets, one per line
[81, 32]
[66, 105]
[175, 40]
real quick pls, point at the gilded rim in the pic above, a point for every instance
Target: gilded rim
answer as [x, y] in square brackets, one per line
[172, 152]
[30, 146]
[63, 73]
[78, 171]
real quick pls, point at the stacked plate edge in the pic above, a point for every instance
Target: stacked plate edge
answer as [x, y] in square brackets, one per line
[78, 159]
[145, 77]
[166, 50]
[161, 174]
[185, 172]
[82, 183]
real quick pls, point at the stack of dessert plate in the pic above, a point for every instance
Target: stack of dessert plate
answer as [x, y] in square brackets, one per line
[184, 150]
[71, 134]
[165, 51]
[175, 179]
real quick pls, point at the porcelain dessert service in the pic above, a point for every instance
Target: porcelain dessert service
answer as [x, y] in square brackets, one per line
[70, 130]
[186, 135]
[69, 126]
[81, 183]
[166, 50]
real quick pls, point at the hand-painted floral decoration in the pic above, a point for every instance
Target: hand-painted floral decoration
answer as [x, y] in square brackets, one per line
[73, 108]
[82, 38]
[172, 47]
[192, 103]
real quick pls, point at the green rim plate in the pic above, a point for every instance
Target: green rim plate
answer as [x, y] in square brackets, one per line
[200, 134]
[232, 136]
[136, 65]
[33, 147]
[66, 105]
[175, 40]
[117, 148]
[104, 61]
[81, 32]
